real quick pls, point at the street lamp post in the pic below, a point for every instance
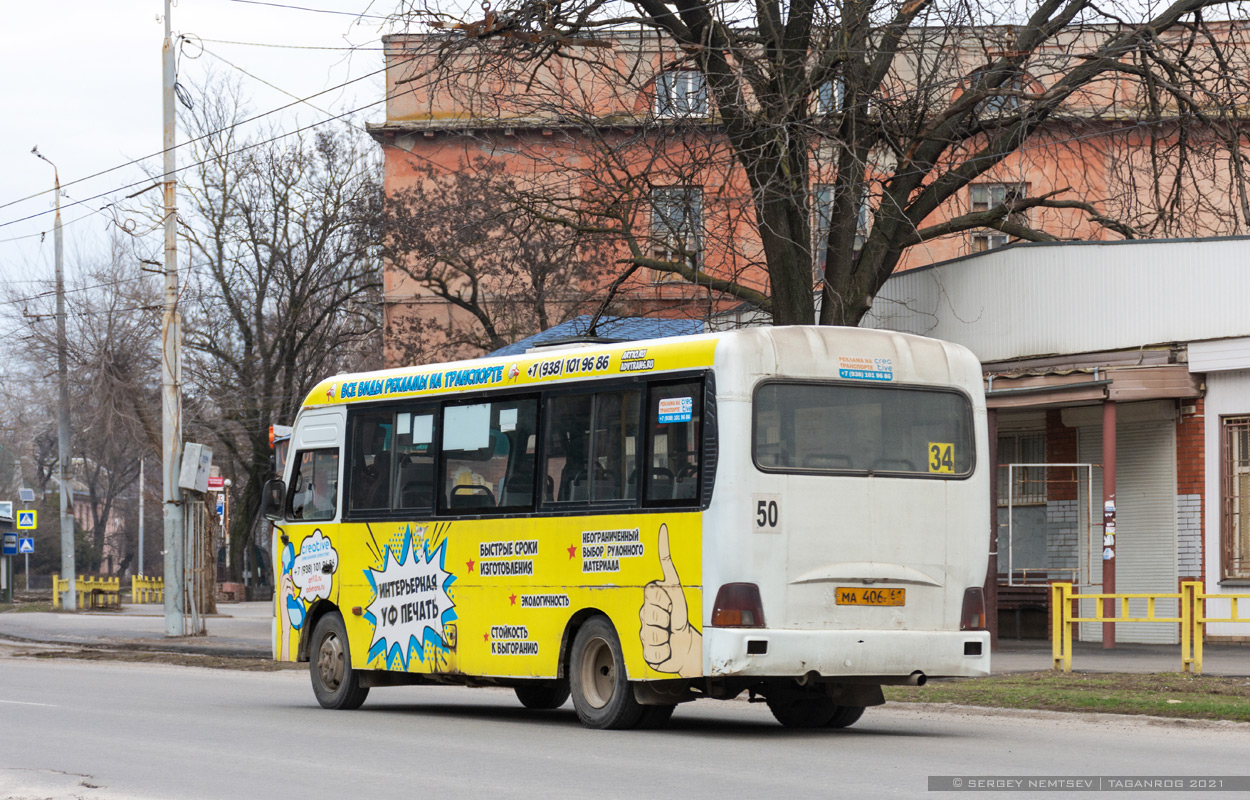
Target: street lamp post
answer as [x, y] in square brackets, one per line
[62, 409]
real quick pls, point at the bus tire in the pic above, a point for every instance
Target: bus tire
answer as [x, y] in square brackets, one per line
[598, 681]
[845, 716]
[802, 710]
[543, 695]
[655, 716]
[334, 681]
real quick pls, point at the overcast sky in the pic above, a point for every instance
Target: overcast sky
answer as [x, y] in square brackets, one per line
[82, 80]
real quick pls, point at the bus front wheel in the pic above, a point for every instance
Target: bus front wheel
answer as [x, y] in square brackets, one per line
[334, 681]
[597, 678]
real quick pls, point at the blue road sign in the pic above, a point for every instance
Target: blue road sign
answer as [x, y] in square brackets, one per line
[25, 544]
[10, 544]
[26, 519]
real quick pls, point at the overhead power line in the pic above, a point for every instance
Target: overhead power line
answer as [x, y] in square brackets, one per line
[180, 145]
[290, 46]
[314, 10]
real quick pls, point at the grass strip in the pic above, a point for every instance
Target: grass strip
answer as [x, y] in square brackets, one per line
[1169, 694]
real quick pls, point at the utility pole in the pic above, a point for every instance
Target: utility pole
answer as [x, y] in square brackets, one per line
[171, 364]
[70, 601]
[141, 464]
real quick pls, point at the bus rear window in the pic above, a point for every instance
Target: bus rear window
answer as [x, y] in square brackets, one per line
[838, 427]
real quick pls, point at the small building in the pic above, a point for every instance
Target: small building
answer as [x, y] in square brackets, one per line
[1127, 356]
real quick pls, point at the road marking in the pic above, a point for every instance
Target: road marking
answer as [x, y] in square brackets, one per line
[21, 703]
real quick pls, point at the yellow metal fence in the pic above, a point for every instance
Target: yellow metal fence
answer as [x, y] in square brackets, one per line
[1192, 616]
[147, 590]
[104, 592]
[92, 591]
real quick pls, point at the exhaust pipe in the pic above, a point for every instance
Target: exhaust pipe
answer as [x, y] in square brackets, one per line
[917, 678]
[811, 676]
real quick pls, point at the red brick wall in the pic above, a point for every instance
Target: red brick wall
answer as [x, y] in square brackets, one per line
[1060, 449]
[1191, 462]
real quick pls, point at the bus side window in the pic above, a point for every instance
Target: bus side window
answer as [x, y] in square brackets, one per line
[488, 455]
[615, 445]
[568, 448]
[314, 486]
[414, 460]
[372, 445]
[674, 418]
[591, 447]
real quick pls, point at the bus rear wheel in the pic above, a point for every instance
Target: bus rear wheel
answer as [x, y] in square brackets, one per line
[845, 717]
[598, 681]
[543, 695]
[334, 681]
[802, 710]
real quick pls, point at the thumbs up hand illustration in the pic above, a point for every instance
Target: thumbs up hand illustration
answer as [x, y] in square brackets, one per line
[669, 642]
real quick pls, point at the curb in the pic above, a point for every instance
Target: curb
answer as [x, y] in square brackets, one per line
[211, 650]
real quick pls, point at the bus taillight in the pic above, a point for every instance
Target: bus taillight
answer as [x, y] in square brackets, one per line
[973, 616]
[738, 606]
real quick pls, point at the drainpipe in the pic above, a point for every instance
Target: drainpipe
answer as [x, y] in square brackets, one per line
[991, 572]
[1108, 521]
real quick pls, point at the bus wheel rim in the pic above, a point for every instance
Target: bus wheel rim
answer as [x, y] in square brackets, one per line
[330, 662]
[598, 673]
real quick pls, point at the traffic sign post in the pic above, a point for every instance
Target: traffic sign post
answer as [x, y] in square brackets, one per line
[27, 519]
[26, 546]
[9, 550]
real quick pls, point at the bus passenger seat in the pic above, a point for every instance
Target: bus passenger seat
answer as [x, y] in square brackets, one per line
[415, 487]
[661, 487]
[471, 496]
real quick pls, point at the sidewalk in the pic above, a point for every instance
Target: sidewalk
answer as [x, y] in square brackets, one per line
[244, 630]
[1034, 655]
[239, 630]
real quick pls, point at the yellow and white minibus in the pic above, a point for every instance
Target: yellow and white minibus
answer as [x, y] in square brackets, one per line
[795, 512]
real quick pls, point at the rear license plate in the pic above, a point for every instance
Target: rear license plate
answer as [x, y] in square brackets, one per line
[859, 596]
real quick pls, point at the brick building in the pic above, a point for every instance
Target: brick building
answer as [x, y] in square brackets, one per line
[630, 133]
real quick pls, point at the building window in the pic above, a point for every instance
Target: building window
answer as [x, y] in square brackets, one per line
[680, 93]
[1026, 485]
[1235, 497]
[829, 97]
[676, 227]
[983, 197]
[1001, 101]
[823, 202]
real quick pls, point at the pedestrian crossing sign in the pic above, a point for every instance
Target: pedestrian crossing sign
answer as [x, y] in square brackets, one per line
[26, 520]
[26, 544]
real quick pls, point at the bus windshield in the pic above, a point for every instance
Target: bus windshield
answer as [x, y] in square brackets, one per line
[819, 427]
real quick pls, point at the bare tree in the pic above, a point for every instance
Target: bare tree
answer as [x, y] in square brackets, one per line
[284, 283]
[893, 106]
[112, 352]
[461, 239]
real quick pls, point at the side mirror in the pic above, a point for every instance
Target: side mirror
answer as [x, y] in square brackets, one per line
[272, 498]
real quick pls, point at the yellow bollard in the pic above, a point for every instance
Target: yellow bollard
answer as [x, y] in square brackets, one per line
[1200, 626]
[1188, 593]
[1060, 655]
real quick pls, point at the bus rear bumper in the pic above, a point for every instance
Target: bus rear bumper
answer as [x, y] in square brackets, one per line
[777, 653]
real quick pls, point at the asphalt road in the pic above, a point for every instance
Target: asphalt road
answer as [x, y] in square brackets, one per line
[112, 730]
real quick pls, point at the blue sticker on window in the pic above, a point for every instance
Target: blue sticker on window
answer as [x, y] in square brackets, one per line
[676, 409]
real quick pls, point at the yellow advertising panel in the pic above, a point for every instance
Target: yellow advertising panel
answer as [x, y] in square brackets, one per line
[531, 369]
[494, 597]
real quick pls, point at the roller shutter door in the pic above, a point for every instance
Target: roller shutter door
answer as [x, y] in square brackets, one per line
[1146, 540]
